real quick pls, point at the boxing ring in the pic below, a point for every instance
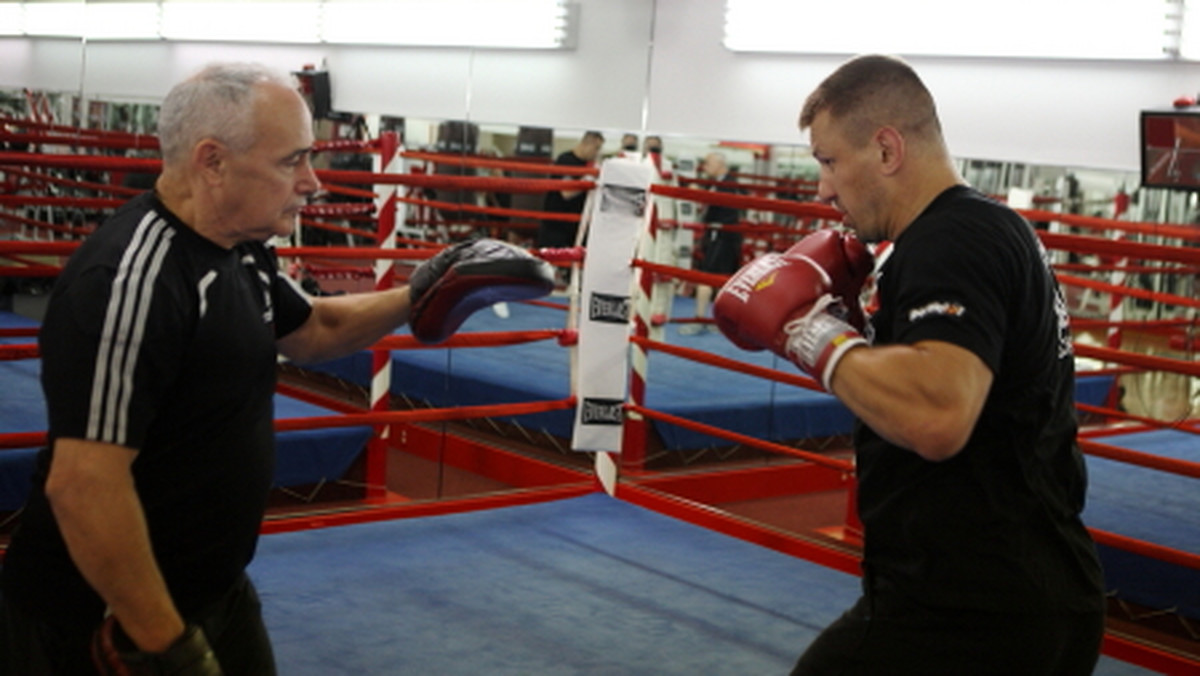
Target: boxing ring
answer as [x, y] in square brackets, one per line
[586, 585]
[731, 540]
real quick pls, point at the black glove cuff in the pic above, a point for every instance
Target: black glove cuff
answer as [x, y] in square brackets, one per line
[189, 655]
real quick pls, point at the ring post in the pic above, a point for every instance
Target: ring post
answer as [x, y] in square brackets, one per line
[385, 278]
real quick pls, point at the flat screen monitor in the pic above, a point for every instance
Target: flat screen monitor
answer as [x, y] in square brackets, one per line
[1171, 148]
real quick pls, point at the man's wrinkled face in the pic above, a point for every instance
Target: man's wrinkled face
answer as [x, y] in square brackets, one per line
[268, 184]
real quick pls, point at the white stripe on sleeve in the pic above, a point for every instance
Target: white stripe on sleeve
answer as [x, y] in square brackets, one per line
[124, 328]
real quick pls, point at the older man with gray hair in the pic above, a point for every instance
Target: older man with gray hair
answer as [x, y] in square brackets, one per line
[159, 350]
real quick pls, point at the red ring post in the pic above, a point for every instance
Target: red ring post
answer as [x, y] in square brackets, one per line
[381, 359]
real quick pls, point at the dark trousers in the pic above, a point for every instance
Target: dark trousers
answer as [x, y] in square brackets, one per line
[556, 234]
[932, 643]
[233, 625]
[721, 250]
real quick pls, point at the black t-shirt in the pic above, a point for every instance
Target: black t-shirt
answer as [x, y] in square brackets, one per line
[996, 527]
[555, 201]
[157, 339]
[719, 213]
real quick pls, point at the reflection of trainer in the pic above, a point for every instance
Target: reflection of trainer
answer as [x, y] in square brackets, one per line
[159, 351]
[970, 483]
[720, 246]
[562, 233]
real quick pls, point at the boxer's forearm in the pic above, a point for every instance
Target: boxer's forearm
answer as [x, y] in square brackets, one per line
[91, 491]
[340, 325]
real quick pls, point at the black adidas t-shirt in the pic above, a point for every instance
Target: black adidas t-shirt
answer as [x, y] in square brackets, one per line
[995, 528]
[157, 339]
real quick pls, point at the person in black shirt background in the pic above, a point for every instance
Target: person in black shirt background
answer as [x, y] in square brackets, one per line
[563, 233]
[720, 246]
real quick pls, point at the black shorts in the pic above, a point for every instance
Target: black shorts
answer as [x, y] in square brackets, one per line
[233, 626]
[954, 643]
[721, 251]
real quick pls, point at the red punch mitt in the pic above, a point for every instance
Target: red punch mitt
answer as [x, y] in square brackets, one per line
[468, 276]
[113, 654]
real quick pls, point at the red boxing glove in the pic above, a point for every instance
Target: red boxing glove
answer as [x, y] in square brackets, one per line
[848, 263]
[468, 276]
[793, 305]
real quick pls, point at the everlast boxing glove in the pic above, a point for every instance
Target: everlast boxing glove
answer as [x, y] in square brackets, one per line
[115, 655]
[468, 276]
[801, 304]
[848, 263]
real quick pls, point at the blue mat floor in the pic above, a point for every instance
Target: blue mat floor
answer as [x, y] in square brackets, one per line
[587, 586]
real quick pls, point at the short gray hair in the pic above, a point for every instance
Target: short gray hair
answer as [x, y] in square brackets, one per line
[217, 102]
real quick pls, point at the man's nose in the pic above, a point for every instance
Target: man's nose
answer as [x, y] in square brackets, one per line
[825, 192]
[308, 183]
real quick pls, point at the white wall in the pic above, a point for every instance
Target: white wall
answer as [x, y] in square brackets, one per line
[600, 83]
[1039, 111]
[1080, 114]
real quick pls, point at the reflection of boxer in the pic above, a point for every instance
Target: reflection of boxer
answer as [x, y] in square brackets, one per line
[970, 483]
[159, 352]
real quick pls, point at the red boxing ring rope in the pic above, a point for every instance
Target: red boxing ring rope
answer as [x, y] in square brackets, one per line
[1186, 233]
[729, 364]
[1145, 361]
[1161, 298]
[844, 466]
[1170, 465]
[339, 229]
[475, 339]
[495, 211]
[92, 162]
[22, 440]
[422, 415]
[81, 141]
[527, 166]
[16, 352]
[1189, 426]
[61, 202]
[41, 179]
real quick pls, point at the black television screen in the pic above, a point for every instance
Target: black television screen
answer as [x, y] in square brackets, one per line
[1171, 148]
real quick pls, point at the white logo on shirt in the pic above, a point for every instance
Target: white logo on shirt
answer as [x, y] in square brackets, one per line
[937, 309]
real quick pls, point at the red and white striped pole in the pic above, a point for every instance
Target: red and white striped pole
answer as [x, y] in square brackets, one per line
[1116, 301]
[385, 278]
[633, 442]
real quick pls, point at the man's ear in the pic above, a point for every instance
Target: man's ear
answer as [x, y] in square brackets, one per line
[890, 143]
[208, 160]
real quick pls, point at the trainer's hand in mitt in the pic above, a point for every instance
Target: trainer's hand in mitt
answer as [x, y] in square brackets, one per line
[468, 276]
[114, 654]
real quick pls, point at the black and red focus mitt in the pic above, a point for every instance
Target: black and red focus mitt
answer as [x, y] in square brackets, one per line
[468, 276]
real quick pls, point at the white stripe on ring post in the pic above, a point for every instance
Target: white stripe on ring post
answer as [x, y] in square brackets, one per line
[388, 210]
